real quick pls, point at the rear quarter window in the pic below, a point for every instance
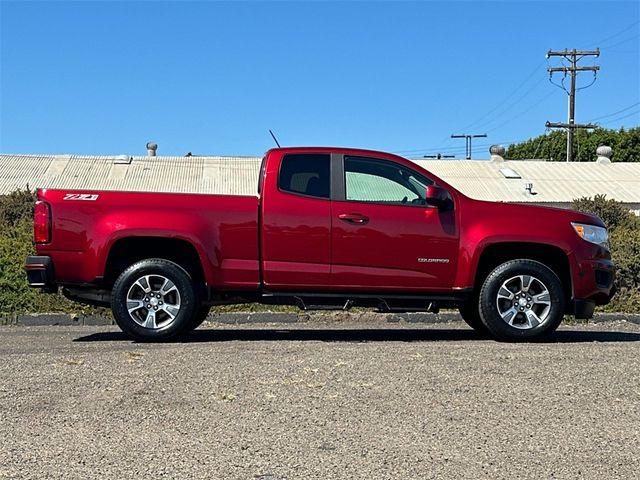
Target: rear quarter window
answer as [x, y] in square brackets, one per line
[306, 174]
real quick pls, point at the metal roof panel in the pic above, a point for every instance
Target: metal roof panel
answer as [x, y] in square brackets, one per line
[553, 182]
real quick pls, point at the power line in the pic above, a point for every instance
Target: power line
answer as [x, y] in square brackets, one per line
[508, 97]
[615, 113]
[627, 28]
[624, 52]
[542, 137]
[609, 122]
[509, 108]
[457, 148]
[511, 105]
[521, 113]
[438, 156]
[572, 56]
[621, 42]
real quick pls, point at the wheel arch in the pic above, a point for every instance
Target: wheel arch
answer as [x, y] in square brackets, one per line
[549, 255]
[126, 251]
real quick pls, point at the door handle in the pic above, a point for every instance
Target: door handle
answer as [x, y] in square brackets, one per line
[357, 218]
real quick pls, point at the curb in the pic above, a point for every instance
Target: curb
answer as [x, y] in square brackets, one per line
[616, 317]
[54, 319]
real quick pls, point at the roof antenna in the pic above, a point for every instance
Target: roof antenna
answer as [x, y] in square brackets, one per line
[274, 138]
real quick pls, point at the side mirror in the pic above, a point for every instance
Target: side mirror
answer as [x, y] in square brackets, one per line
[438, 197]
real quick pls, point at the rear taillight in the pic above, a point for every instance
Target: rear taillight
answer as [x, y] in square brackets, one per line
[42, 223]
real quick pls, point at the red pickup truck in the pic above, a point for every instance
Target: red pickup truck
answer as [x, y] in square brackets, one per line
[327, 228]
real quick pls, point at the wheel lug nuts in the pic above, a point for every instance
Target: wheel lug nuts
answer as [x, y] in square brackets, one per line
[158, 295]
[528, 306]
[148, 306]
[160, 303]
[155, 308]
[146, 299]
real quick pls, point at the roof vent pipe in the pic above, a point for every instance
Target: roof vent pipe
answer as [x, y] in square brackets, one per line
[497, 153]
[604, 154]
[151, 149]
[529, 188]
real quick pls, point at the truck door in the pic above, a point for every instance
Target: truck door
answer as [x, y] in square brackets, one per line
[384, 236]
[296, 221]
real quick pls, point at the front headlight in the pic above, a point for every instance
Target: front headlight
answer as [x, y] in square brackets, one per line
[593, 234]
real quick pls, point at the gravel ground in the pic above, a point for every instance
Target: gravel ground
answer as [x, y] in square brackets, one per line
[358, 400]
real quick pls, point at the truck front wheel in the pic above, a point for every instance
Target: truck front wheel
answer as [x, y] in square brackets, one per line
[154, 300]
[198, 319]
[471, 315]
[521, 300]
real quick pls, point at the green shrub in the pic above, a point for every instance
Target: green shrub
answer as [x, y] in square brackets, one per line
[16, 243]
[553, 146]
[613, 213]
[16, 207]
[626, 300]
[16, 212]
[624, 238]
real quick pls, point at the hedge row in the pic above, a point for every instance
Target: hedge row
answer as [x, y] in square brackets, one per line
[624, 238]
[16, 243]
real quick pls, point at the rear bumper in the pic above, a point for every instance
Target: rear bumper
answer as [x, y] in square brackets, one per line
[40, 273]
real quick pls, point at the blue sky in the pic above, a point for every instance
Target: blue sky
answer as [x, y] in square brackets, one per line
[93, 77]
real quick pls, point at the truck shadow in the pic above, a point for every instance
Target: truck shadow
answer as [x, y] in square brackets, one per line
[363, 335]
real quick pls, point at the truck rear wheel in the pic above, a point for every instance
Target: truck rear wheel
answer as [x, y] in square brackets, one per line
[521, 300]
[154, 300]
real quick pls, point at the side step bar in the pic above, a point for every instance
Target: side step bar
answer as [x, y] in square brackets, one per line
[431, 307]
[383, 302]
[300, 302]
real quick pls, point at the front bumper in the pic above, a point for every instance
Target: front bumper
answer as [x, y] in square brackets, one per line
[583, 309]
[593, 286]
[40, 273]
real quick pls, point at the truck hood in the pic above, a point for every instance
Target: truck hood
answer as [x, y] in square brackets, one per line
[535, 212]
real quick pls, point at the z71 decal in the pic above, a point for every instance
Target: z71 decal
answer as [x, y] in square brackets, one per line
[81, 196]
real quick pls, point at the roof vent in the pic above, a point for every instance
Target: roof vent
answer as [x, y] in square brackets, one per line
[509, 173]
[529, 188]
[152, 148]
[604, 154]
[497, 153]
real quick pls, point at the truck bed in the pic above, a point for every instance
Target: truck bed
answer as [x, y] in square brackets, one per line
[87, 224]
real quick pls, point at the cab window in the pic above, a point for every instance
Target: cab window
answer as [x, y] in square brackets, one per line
[381, 181]
[306, 174]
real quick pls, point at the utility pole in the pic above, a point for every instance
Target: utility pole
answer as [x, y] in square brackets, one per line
[573, 56]
[468, 142]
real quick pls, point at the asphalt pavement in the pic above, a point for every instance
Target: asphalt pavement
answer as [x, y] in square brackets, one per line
[370, 400]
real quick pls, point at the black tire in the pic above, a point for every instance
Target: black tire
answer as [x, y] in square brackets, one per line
[531, 312]
[201, 315]
[161, 296]
[470, 313]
